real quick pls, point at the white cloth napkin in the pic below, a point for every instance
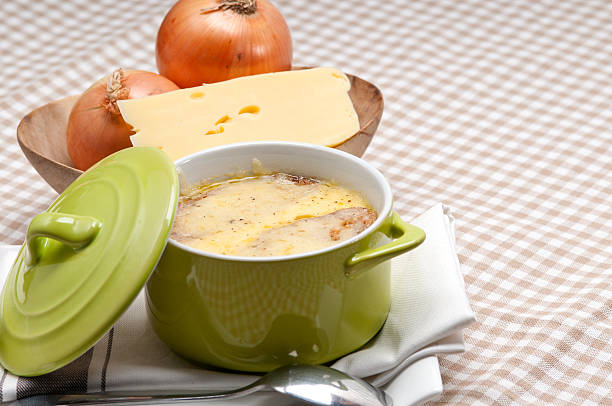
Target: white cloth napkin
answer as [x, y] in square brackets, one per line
[428, 312]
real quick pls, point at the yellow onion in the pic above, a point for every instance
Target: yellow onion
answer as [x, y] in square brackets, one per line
[95, 126]
[206, 41]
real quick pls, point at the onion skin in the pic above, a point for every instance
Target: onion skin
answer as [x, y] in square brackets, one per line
[96, 129]
[195, 47]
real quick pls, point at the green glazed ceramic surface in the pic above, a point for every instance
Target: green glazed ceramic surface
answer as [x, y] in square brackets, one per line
[86, 259]
[88, 256]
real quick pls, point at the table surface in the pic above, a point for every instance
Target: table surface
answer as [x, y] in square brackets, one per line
[501, 109]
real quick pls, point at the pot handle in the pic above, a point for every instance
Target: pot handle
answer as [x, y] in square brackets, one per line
[404, 238]
[71, 229]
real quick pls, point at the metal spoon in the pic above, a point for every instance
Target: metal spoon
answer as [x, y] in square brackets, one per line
[315, 384]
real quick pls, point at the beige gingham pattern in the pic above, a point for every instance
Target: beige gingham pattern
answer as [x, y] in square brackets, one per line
[502, 109]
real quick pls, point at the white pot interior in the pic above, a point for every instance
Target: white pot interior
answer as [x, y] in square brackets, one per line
[293, 158]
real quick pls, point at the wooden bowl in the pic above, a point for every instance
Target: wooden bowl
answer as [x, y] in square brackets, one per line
[42, 133]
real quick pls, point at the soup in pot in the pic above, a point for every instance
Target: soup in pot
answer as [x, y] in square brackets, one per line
[270, 215]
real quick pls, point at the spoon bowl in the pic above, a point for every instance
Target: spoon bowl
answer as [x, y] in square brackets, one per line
[321, 385]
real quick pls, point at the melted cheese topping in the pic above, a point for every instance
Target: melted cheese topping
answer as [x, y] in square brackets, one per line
[235, 217]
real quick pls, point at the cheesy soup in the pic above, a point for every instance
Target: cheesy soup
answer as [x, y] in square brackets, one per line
[269, 215]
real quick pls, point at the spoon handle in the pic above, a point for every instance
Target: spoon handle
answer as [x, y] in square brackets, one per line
[135, 397]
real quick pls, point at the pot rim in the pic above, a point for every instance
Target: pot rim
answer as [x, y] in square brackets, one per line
[332, 153]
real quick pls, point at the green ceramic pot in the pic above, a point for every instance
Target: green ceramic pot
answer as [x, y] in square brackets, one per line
[255, 314]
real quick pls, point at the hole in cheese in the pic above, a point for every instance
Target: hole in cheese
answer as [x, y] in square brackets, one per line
[223, 119]
[216, 131]
[196, 95]
[249, 109]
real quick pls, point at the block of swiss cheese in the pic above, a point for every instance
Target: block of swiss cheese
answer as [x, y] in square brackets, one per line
[310, 105]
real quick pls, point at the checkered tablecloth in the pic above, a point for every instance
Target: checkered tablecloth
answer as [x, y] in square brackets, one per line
[502, 109]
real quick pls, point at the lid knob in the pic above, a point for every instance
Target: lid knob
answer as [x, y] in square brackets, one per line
[71, 229]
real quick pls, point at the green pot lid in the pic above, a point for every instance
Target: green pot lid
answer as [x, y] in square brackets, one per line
[86, 259]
